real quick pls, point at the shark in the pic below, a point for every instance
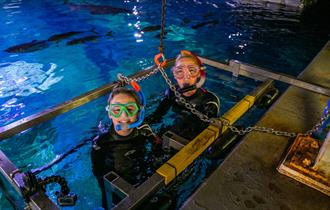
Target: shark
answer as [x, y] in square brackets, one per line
[206, 23]
[98, 9]
[151, 28]
[83, 40]
[59, 37]
[28, 47]
[36, 45]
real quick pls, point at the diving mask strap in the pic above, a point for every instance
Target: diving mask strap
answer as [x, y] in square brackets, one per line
[202, 79]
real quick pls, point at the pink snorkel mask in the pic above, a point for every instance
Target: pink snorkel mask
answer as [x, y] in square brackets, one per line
[202, 68]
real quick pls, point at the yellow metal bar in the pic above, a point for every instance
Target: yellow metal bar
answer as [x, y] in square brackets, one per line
[191, 151]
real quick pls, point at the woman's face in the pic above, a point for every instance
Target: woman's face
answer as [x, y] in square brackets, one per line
[123, 118]
[186, 72]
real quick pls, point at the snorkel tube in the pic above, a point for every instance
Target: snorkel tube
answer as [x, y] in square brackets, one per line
[143, 103]
[202, 68]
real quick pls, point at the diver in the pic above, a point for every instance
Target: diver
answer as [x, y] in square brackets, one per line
[127, 148]
[189, 74]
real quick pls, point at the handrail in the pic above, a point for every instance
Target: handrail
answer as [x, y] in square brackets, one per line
[38, 200]
[236, 67]
[257, 73]
[45, 115]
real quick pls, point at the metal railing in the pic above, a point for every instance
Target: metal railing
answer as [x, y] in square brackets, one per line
[257, 73]
[43, 116]
[181, 160]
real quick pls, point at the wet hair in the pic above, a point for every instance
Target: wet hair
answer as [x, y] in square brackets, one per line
[188, 54]
[121, 90]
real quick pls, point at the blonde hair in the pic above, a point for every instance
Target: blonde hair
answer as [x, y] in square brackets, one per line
[188, 54]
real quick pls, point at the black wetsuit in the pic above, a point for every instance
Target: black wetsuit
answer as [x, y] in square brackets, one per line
[185, 123]
[131, 157]
[188, 126]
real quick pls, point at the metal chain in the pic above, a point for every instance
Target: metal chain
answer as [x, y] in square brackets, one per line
[220, 121]
[161, 40]
[320, 123]
[279, 133]
[183, 101]
[261, 129]
[127, 80]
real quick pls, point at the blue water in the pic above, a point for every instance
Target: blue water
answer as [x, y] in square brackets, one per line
[278, 38]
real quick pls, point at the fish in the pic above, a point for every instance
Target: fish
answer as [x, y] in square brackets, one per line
[58, 37]
[207, 15]
[82, 40]
[158, 35]
[98, 9]
[109, 34]
[185, 21]
[151, 28]
[206, 23]
[28, 47]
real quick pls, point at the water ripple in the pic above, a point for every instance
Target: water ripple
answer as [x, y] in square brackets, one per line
[23, 79]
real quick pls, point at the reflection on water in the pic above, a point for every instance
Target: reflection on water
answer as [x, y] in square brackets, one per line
[275, 38]
[23, 79]
[10, 110]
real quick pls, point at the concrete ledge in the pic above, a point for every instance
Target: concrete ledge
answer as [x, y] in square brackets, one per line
[276, 4]
[248, 178]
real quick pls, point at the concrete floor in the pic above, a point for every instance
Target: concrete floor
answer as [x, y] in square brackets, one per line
[248, 178]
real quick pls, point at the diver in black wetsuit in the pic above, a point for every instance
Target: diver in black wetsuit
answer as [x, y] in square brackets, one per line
[190, 76]
[126, 148]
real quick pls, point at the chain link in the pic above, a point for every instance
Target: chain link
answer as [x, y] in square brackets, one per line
[127, 80]
[183, 101]
[220, 122]
[161, 40]
[279, 133]
[320, 123]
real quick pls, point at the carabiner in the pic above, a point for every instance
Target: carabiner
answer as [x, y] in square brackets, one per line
[157, 62]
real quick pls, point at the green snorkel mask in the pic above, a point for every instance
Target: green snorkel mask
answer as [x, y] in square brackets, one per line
[115, 110]
[131, 109]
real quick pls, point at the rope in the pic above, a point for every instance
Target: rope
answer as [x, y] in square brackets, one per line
[161, 44]
[56, 179]
[59, 158]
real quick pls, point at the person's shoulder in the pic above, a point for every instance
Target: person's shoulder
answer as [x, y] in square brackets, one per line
[101, 139]
[144, 130]
[169, 93]
[210, 96]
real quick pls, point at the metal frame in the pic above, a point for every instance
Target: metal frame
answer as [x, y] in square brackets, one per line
[257, 73]
[41, 201]
[173, 140]
[114, 184]
[236, 67]
[173, 167]
[141, 193]
[9, 171]
[35, 119]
